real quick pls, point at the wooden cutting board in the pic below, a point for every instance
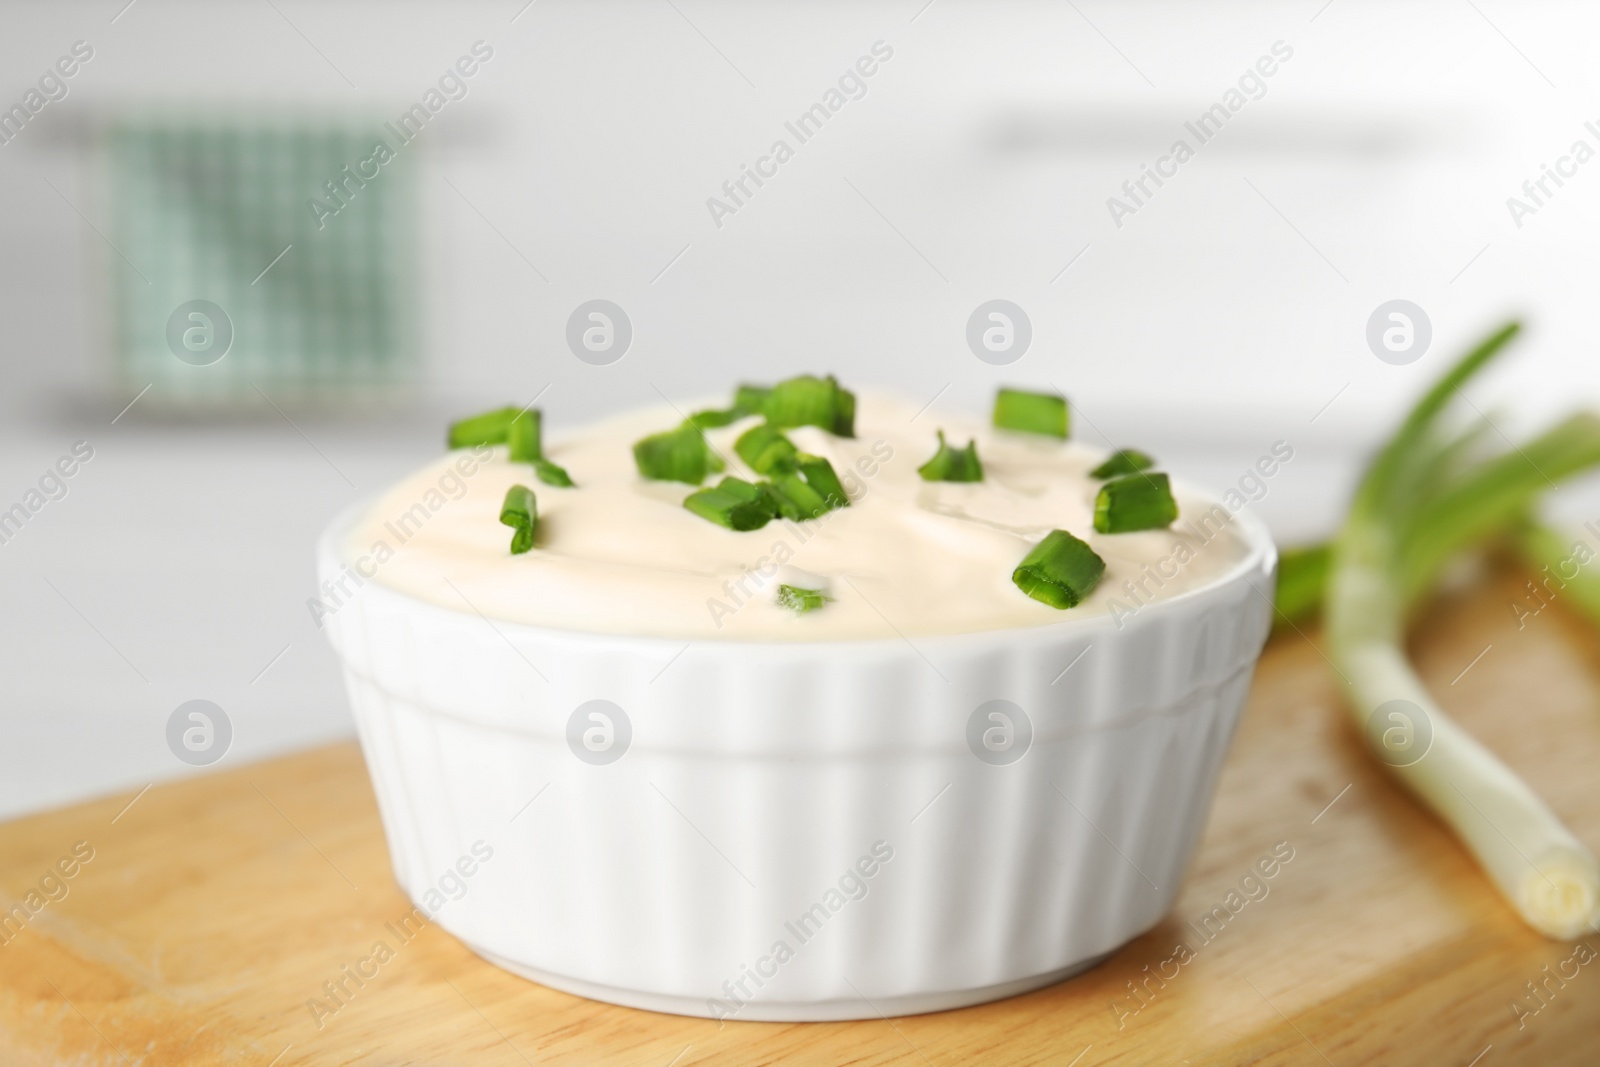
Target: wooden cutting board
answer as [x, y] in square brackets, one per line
[213, 909]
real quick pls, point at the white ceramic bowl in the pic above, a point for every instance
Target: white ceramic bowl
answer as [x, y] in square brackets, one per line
[798, 831]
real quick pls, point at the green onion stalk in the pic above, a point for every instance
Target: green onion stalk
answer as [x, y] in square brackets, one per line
[1546, 548]
[1424, 499]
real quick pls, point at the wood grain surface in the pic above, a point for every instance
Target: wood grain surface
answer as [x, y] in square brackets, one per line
[213, 909]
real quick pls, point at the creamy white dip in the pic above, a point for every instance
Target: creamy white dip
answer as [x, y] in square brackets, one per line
[619, 554]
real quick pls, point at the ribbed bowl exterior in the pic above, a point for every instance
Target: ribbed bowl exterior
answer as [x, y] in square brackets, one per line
[760, 775]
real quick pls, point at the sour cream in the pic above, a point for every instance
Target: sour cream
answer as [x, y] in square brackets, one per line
[908, 558]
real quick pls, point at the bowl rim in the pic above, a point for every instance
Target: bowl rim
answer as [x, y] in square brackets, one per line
[1261, 556]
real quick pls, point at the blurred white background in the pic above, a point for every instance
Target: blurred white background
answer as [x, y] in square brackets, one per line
[1227, 313]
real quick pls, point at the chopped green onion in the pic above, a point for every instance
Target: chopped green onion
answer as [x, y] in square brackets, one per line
[551, 474]
[525, 438]
[751, 399]
[680, 455]
[1140, 501]
[1060, 571]
[845, 414]
[733, 503]
[490, 428]
[521, 512]
[766, 449]
[1302, 577]
[800, 600]
[953, 464]
[1043, 413]
[711, 420]
[812, 401]
[1123, 461]
[796, 501]
[747, 400]
[819, 475]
